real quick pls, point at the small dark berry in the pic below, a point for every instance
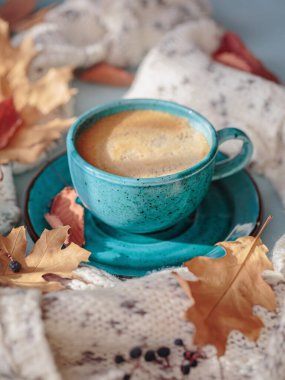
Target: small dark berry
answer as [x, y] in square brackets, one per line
[135, 352]
[178, 342]
[15, 266]
[119, 359]
[188, 355]
[127, 376]
[194, 363]
[149, 356]
[163, 352]
[185, 369]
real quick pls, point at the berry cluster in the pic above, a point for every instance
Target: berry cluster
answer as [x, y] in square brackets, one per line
[160, 357]
[190, 358]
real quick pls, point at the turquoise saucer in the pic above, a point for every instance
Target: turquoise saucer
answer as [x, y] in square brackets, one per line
[231, 209]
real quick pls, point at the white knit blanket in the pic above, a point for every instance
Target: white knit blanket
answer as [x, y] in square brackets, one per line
[81, 33]
[180, 68]
[77, 334]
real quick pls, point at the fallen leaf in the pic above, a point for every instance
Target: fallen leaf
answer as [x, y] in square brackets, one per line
[46, 257]
[65, 211]
[44, 95]
[37, 102]
[15, 10]
[32, 20]
[233, 52]
[8, 53]
[105, 73]
[10, 121]
[28, 143]
[226, 291]
[233, 60]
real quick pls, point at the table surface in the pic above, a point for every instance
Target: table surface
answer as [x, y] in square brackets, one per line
[250, 20]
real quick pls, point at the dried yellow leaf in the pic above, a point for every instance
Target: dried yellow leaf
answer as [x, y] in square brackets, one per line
[46, 257]
[226, 291]
[37, 102]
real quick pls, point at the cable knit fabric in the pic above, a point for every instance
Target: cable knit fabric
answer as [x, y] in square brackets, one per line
[118, 32]
[180, 68]
[24, 351]
[77, 334]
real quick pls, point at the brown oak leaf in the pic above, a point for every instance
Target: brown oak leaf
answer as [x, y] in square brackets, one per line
[46, 260]
[36, 101]
[226, 291]
[65, 211]
[105, 73]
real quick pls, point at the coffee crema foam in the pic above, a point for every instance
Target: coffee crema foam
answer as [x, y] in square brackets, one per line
[142, 144]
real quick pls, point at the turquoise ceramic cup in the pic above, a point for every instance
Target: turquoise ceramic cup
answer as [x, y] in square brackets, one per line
[146, 205]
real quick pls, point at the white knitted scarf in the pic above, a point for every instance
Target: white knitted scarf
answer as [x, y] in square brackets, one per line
[79, 334]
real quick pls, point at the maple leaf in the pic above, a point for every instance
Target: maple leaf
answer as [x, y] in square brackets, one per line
[226, 290]
[37, 102]
[65, 211]
[47, 257]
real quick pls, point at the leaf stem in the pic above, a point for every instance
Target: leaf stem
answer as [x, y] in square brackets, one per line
[268, 220]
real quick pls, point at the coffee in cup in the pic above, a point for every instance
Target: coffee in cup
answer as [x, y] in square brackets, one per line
[142, 144]
[169, 193]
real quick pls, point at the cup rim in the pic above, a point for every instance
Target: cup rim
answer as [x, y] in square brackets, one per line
[86, 166]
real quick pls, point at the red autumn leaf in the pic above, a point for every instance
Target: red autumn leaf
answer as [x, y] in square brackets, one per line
[65, 211]
[233, 52]
[231, 59]
[10, 121]
[105, 73]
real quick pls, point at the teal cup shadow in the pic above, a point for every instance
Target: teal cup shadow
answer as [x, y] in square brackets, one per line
[146, 205]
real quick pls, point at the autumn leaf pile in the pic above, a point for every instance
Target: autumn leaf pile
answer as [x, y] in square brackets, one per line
[46, 258]
[28, 126]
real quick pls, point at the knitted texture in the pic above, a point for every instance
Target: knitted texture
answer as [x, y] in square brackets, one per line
[9, 212]
[180, 68]
[87, 329]
[24, 350]
[118, 32]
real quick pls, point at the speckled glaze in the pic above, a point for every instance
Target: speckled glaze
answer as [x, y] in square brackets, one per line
[219, 217]
[146, 205]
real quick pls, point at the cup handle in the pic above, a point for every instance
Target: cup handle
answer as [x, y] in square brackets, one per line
[230, 166]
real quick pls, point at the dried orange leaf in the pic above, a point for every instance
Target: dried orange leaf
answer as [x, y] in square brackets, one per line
[46, 257]
[15, 244]
[32, 20]
[8, 54]
[46, 94]
[66, 211]
[226, 292]
[29, 143]
[105, 73]
[14, 10]
[36, 101]
[10, 121]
